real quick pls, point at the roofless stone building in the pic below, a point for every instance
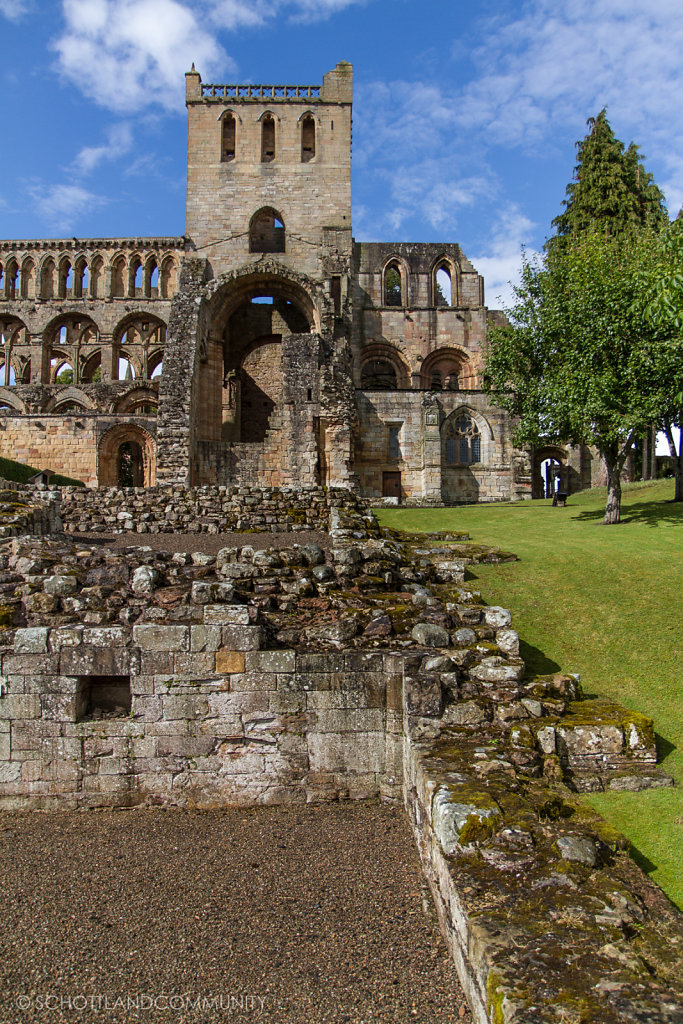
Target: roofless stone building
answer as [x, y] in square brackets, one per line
[265, 347]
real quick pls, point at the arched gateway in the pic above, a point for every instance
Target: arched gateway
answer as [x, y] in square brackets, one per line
[255, 351]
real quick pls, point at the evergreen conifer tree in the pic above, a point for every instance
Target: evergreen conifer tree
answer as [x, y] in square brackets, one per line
[611, 192]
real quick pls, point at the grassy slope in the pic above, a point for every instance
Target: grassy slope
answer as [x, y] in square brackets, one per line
[605, 602]
[21, 474]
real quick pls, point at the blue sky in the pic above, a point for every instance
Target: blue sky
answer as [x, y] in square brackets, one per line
[465, 115]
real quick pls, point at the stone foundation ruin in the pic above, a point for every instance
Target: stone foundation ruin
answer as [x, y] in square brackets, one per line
[363, 667]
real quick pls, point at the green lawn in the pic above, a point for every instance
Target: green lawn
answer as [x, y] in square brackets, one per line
[604, 601]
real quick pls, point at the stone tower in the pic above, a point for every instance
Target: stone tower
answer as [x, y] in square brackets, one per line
[260, 324]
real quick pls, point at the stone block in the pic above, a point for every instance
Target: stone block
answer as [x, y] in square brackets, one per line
[226, 614]
[30, 665]
[31, 641]
[332, 752]
[65, 636]
[270, 661]
[10, 771]
[61, 586]
[242, 638]
[154, 663]
[263, 681]
[205, 638]
[95, 661]
[349, 720]
[106, 636]
[195, 666]
[4, 746]
[423, 696]
[58, 706]
[230, 662]
[185, 746]
[21, 705]
[162, 638]
[188, 708]
[497, 618]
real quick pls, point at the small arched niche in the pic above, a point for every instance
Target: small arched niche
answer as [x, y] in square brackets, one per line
[266, 231]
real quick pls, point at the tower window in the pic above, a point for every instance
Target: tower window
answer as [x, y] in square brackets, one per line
[266, 232]
[267, 139]
[307, 139]
[228, 138]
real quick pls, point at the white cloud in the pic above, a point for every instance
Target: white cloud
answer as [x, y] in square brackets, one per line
[119, 142]
[233, 14]
[63, 205]
[131, 54]
[13, 9]
[561, 63]
[407, 133]
[501, 263]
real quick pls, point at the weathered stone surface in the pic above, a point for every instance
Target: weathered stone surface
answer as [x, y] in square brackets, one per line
[497, 618]
[145, 579]
[429, 635]
[579, 849]
[457, 824]
[60, 585]
[31, 641]
[162, 638]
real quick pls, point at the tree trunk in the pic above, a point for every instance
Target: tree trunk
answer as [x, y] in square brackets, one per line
[615, 458]
[613, 506]
[676, 457]
[645, 468]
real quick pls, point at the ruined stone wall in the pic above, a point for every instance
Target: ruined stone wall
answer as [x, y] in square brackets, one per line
[74, 444]
[199, 509]
[409, 330]
[295, 675]
[422, 461]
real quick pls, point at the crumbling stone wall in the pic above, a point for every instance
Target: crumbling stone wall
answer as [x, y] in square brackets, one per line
[201, 509]
[295, 674]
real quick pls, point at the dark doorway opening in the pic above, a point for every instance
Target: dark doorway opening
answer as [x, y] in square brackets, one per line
[130, 468]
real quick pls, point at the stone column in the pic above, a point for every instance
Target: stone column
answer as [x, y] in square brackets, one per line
[431, 451]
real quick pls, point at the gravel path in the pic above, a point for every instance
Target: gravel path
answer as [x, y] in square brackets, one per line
[209, 543]
[292, 915]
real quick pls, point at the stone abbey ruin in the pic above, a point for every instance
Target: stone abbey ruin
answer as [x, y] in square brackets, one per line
[304, 375]
[266, 346]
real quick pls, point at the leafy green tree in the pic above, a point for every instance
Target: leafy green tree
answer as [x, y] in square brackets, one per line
[611, 191]
[579, 362]
[660, 302]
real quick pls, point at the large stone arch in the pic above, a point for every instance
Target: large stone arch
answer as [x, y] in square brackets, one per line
[68, 396]
[9, 399]
[447, 369]
[191, 416]
[109, 452]
[375, 376]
